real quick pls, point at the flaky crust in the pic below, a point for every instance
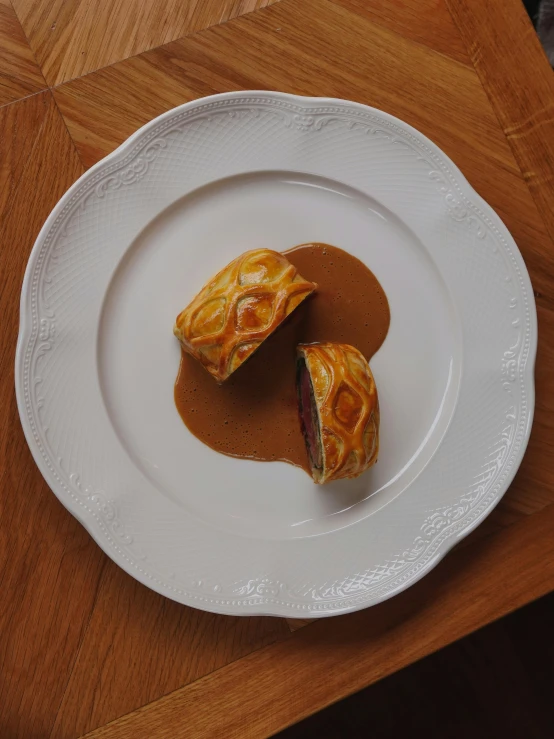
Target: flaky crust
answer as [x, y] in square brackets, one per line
[348, 409]
[239, 308]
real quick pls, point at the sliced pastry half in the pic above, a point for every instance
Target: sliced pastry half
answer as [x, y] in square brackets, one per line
[339, 410]
[239, 308]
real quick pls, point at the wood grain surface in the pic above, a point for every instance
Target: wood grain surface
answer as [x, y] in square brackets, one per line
[20, 74]
[140, 645]
[73, 37]
[518, 79]
[425, 21]
[81, 643]
[318, 39]
[333, 658]
[50, 568]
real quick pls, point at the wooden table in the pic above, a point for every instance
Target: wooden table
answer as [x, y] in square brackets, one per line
[81, 643]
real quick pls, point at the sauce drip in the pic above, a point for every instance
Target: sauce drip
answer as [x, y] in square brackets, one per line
[254, 414]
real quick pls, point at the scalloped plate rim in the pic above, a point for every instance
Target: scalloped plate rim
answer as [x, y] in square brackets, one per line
[24, 327]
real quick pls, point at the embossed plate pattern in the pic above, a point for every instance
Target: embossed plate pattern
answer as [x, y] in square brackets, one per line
[124, 251]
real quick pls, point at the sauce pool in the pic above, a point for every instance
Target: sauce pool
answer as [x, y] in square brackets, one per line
[254, 414]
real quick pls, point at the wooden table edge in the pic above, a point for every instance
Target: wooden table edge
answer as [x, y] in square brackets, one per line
[279, 685]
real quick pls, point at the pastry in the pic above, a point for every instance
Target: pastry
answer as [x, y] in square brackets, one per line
[239, 308]
[339, 410]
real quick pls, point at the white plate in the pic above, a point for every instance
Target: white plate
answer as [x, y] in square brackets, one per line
[129, 245]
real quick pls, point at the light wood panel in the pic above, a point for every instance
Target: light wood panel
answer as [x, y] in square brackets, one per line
[49, 566]
[519, 81]
[318, 39]
[19, 73]
[73, 37]
[140, 645]
[425, 21]
[275, 687]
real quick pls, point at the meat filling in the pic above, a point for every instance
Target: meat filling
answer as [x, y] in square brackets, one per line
[308, 415]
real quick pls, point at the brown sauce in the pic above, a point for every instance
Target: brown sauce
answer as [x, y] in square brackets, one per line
[254, 414]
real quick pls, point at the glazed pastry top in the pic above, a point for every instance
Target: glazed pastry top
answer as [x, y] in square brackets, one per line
[239, 308]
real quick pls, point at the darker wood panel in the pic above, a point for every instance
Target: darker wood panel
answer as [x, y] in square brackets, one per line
[20, 125]
[425, 21]
[318, 40]
[522, 93]
[140, 646]
[335, 657]
[12, 89]
[74, 37]
[19, 73]
[49, 566]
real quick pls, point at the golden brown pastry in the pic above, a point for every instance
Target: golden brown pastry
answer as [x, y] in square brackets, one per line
[239, 308]
[339, 410]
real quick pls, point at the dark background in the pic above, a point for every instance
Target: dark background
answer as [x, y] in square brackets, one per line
[497, 682]
[532, 7]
